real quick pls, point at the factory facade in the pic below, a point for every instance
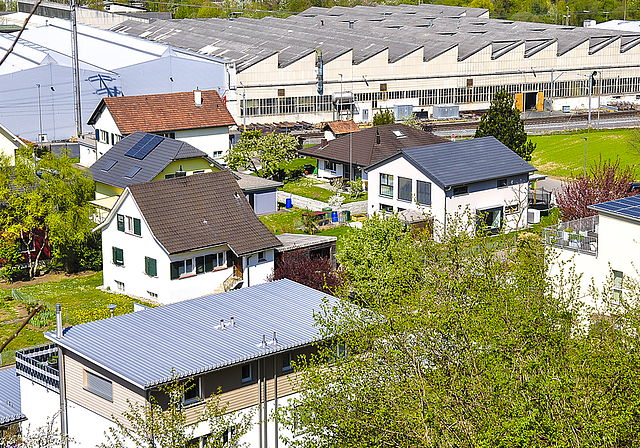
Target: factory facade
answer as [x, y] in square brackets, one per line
[327, 64]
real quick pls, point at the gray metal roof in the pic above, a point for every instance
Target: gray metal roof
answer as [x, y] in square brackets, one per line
[464, 161]
[292, 241]
[144, 347]
[10, 398]
[157, 160]
[625, 208]
[403, 29]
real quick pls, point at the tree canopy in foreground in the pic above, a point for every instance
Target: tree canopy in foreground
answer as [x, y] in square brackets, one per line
[482, 349]
[261, 153]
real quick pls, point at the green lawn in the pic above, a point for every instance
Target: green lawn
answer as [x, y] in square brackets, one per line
[308, 187]
[80, 300]
[561, 154]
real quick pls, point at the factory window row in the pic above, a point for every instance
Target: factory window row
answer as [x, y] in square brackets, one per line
[429, 97]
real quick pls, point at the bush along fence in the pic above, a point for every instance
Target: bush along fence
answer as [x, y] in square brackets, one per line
[7, 357]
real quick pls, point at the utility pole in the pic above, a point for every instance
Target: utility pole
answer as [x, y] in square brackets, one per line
[39, 114]
[76, 67]
[590, 90]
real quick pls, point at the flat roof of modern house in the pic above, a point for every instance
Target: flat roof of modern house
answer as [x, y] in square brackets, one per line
[186, 336]
[10, 411]
[628, 208]
[293, 241]
[370, 30]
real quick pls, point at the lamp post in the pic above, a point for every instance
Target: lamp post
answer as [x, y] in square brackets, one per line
[584, 167]
[244, 107]
[39, 114]
[590, 90]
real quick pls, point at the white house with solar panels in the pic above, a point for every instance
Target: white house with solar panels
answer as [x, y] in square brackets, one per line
[322, 64]
[604, 246]
[239, 343]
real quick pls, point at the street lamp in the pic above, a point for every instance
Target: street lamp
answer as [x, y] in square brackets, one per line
[39, 114]
[584, 167]
[590, 91]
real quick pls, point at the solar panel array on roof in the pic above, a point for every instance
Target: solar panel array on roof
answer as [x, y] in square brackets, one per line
[628, 207]
[144, 146]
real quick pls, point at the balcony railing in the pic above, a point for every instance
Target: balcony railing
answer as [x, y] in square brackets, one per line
[39, 364]
[580, 235]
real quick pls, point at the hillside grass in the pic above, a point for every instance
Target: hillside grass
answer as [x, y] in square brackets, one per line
[561, 154]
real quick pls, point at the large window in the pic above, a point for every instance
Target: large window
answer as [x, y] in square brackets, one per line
[489, 220]
[97, 385]
[423, 196]
[405, 192]
[386, 185]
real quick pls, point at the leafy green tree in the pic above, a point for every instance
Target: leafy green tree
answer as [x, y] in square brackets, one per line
[486, 350]
[153, 425]
[383, 117]
[48, 199]
[262, 153]
[503, 122]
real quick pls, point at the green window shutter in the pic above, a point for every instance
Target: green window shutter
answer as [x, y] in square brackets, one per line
[136, 226]
[150, 266]
[209, 262]
[118, 256]
[120, 222]
[175, 273]
[199, 265]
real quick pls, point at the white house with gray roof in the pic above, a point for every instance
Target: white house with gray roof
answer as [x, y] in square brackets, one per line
[238, 343]
[602, 247]
[442, 179]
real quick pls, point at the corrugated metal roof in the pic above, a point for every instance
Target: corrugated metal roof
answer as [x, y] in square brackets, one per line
[292, 241]
[157, 160]
[465, 161]
[10, 398]
[144, 347]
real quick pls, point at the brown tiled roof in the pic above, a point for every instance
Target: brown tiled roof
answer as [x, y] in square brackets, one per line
[365, 147]
[165, 112]
[204, 210]
[341, 127]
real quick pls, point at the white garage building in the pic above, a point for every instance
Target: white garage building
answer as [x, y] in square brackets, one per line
[409, 58]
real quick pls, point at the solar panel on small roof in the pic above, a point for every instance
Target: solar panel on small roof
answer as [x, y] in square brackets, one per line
[144, 146]
[109, 163]
[133, 171]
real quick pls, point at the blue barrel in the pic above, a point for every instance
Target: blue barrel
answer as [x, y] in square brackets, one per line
[334, 216]
[288, 203]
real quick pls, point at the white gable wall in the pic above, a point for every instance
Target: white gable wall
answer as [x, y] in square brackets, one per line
[8, 148]
[106, 123]
[214, 141]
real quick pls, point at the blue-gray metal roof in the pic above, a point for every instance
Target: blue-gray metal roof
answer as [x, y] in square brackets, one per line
[10, 398]
[145, 346]
[465, 161]
[625, 207]
[115, 174]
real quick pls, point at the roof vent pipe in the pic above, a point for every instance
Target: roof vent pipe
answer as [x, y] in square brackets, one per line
[264, 341]
[233, 322]
[222, 324]
[351, 22]
[58, 321]
[197, 97]
[275, 339]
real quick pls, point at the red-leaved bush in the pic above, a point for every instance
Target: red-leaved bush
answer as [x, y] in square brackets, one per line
[605, 181]
[314, 272]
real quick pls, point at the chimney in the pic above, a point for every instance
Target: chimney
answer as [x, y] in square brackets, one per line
[323, 143]
[197, 97]
[377, 137]
[58, 321]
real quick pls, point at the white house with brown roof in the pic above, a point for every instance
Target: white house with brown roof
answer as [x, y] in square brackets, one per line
[181, 238]
[199, 118]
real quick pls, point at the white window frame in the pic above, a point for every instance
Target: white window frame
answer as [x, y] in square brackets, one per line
[330, 166]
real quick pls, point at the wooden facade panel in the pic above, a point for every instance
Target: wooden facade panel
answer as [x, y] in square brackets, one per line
[76, 392]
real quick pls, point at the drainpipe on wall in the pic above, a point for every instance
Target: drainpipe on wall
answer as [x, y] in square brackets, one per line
[259, 406]
[266, 420]
[445, 208]
[275, 397]
[64, 426]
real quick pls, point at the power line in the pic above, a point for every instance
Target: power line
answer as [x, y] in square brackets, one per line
[24, 25]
